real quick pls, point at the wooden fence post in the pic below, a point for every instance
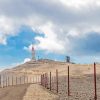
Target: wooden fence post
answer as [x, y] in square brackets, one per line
[16, 80]
[57, 79]
[41, 79]
[95, 87]
[68, 83]
[45, 80]
[24, 79]
[3, 80]
[33, 79]
[50, 81]
[20, 80]
[12, 80]
[8, 80]
[27, 79]
[0, 80]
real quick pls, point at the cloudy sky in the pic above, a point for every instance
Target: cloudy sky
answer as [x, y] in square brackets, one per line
[55, 27]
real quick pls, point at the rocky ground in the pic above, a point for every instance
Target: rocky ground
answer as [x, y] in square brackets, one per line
[81, 88]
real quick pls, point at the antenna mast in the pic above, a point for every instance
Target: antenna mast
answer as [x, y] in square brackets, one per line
[33, 53]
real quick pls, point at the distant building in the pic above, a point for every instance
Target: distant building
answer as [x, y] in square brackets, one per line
[68, 59]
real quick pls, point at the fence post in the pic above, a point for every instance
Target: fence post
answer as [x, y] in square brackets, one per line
[37, 78]
[8, 80]
[16, 80]
[20, 80]
[68, 83]
[41, 79]
[33, 79]
[12, 80]
[24, 79]
[27, 79]
[95, 87]
[57, 79]
[3, 80]
[47, 80]
[50, 81]
[0, 80]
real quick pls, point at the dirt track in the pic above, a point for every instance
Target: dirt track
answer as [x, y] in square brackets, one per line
[26, 92]
[13, 92]
[37, 92]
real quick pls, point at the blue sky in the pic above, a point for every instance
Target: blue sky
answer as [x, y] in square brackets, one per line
[14, 53]
[56, 28]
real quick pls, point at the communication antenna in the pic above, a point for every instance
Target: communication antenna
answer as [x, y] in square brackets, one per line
[33, 53]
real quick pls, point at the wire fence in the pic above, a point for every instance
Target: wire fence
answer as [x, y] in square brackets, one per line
[84, 87]
[9, 79]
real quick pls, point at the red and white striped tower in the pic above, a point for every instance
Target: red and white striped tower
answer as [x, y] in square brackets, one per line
[33, 53]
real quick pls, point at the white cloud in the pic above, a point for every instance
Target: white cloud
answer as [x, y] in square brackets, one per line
[78, 3]
[29, 48]
[50, 42]
[27, 60]
[7, 27]
[58, 20]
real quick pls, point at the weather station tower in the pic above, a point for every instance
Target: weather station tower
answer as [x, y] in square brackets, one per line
[33, 54]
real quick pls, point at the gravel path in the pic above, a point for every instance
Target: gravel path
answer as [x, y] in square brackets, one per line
[13, 92]
[37, 92]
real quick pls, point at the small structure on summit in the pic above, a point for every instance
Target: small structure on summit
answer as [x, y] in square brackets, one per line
[68, 59]
[33, 53]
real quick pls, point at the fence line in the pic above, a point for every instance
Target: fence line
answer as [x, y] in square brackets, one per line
[48, 82]
[11, 80]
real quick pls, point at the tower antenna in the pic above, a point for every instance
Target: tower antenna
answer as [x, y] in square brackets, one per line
[33, 53]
